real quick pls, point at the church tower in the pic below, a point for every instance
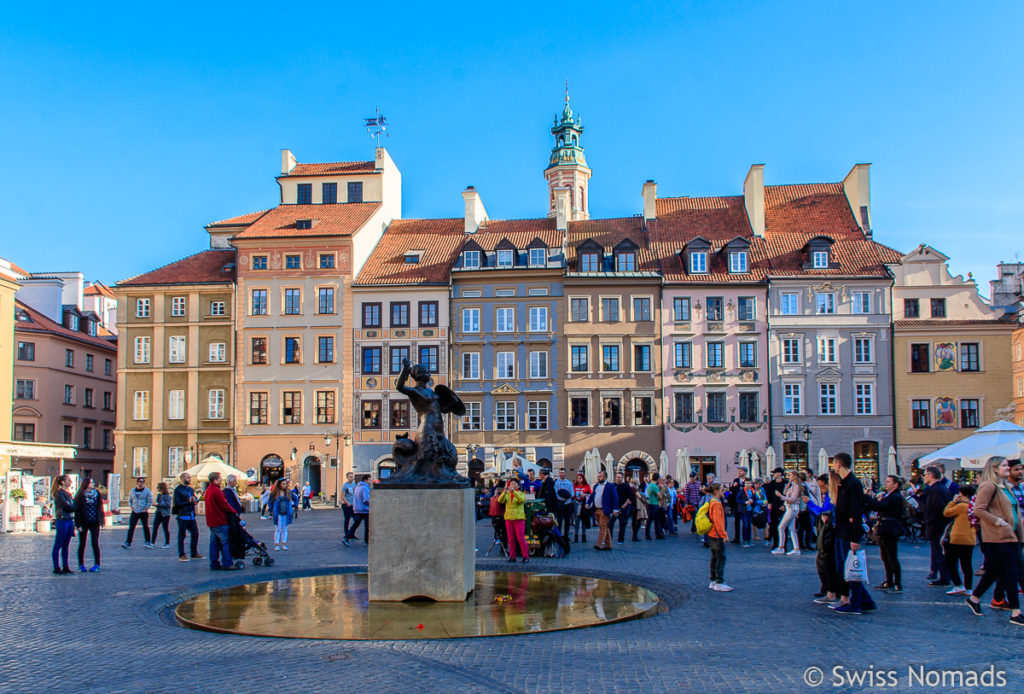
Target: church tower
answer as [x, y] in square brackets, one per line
[567, 168]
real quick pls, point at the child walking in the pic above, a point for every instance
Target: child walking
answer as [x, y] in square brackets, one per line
[717, 537]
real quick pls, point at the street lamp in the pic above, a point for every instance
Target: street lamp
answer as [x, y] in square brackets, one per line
[337, 437]
[795, 431]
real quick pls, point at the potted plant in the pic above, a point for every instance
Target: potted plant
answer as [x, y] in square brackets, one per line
[17, 522]
[44, 523]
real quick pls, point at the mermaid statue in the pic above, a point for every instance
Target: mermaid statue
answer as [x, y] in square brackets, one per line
[428, 457]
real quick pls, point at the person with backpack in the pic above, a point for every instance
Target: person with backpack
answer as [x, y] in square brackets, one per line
[888, 528]
[960, 542]
[283, 509]
[825, 542]
[718, 535]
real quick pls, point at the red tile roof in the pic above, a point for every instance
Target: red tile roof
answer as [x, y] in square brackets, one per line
[333, 168]
[205, 267]
[328, 220]
[240, 220]
[99, 289]
[813, 208]
[39, 323]
[519, 232]
[607, 233]
[439, 241]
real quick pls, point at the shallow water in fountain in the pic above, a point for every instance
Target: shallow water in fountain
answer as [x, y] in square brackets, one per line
[336, 606]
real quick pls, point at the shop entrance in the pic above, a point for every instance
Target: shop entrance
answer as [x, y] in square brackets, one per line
[271, 469]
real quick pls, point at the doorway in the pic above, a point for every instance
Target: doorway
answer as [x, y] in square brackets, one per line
[271, 469]
[311, 473]
[636, 467]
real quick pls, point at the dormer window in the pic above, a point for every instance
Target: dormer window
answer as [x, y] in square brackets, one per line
[819, 259]
[738, 261]
[698, 263]
[412, 257]
[303, 223]
[625, 262]
[506, 258]
[73, 322]
[91, 327]
[590, 262]
[538, 257]
[471, 259]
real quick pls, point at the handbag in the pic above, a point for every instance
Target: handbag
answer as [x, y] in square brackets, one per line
[856, 567]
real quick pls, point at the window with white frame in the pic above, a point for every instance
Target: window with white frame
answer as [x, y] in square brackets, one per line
[506, 257]
[538, 257]
[470, 320]
[748, 355]
[827, 350]
[216, 403]
[506, 364]
[471, 259]
[140, 461]
[471, 365]
[681, 308]
[218, 351]
[579, 309]
[538, 364]
[538, 319]
[862, 350]
[746, 308]
[611, 411]
[861, 302]
[610, 358]
[142, 350]
[217, 308]
[827, 398]
[789, 303]
[176, 349]
[537, 291]
[683, 355]
[791, 350]
[175, 461]
[176, 404]
[825, 302]
[505, 415]
[580, 358]
[864, 398]
[625, 261]
[642, 308]
[537, 414]
[820, 259]
[505, 319]
[609, 308]
[738, 261]
[140, 410]
[471, 420]
[698, 263]
[178, 306]
[791, 400]
[643, 410]
[142, 308]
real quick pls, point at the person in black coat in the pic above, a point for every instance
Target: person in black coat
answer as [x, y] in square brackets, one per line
[547, 491]
[775, 504]
[89, 519]
[935, 500]
[849, 517]
[735, 490]
[889, 527]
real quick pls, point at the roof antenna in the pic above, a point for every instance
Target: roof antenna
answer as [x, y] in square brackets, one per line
[567, 90]
[377, 126]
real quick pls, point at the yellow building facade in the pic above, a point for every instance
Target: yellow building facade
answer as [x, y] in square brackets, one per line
[8, 286]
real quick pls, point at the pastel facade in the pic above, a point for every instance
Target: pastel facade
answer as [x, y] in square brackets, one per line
[296, 265]
[1018, 374]
[952, 356]
[714, 332]
[175, 387]
[9, 276]
[402, 312]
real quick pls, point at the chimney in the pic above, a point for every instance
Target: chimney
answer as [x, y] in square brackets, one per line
[287, 162]
[475, 212]
[857, 186]
[650, 193]
[753, 198]
[563, 213]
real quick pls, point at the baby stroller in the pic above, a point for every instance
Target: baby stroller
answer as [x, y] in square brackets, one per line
[241, 542]
[552, 542]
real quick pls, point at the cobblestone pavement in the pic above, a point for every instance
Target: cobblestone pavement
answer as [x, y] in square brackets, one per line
[109, 632]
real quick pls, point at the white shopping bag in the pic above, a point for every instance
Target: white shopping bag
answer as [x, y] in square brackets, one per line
[856, 568]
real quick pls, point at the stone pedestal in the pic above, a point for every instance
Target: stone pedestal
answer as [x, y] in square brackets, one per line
[422, 543]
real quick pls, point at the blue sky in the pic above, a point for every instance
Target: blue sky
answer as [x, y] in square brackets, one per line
[126, 128]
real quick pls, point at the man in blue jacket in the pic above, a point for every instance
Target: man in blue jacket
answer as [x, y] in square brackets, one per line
[606, 505]
[361, 511]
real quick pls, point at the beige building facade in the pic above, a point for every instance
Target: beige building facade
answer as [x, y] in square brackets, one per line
[9, 284]
[175, 392]
[951, 356]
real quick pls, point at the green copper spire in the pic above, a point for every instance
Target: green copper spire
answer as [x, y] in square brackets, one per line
[568, 132]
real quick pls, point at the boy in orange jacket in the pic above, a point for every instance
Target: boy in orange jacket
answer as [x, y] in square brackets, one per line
[717, 537]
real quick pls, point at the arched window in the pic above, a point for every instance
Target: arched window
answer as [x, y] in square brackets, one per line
[583, 200]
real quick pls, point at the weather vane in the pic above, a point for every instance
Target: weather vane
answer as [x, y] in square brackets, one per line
[377, 126]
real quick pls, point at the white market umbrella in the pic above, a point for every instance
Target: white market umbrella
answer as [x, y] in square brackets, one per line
[769, 459]
[609, 464]
[998, 439]
[201, 470]
[755, 465]
[743, 459]
[822, 462]
[685, 455]
[681, 473]
[663, 464]
[891, 462]
[590, 468]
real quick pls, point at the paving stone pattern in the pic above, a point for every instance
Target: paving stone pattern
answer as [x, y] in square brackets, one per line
[113, 631]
